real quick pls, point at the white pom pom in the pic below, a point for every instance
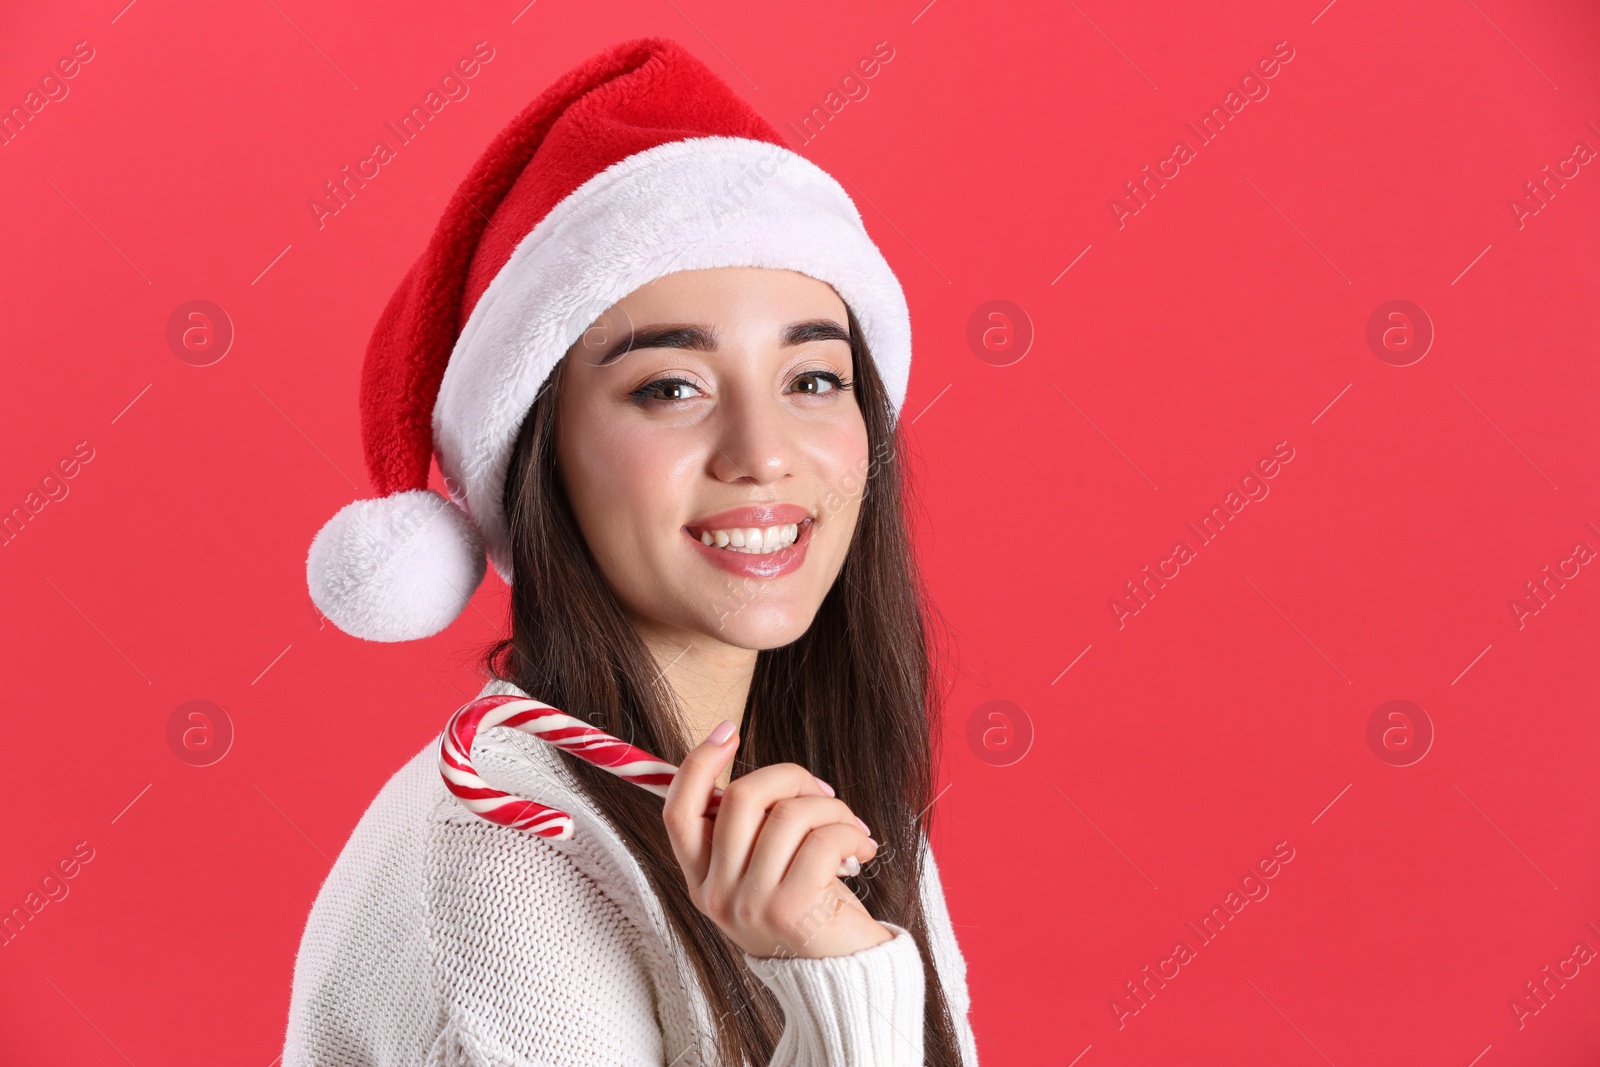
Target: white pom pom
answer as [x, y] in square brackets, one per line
[396, 568]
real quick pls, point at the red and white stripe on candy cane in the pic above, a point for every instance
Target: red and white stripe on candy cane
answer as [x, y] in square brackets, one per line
[555, 727]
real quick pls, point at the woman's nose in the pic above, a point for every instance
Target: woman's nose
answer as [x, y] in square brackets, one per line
[750, 437]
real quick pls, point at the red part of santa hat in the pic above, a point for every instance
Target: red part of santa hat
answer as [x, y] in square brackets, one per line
[637, 163]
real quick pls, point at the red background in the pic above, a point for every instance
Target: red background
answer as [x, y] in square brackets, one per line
[1225, 317]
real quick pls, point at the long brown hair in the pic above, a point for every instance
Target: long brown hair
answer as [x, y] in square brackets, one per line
[851, 700]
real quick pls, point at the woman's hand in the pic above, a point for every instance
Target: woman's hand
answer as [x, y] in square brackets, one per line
[766, 868]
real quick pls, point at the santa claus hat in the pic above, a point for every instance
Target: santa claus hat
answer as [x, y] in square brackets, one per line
[637, 163]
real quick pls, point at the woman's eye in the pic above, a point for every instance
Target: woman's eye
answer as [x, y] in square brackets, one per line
[817, 377]
[664, 390]
[671, 390]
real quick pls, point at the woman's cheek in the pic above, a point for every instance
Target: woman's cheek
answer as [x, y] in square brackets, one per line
[842, 468]
[844, 459]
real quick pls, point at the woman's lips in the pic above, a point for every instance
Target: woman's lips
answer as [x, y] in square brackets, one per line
[757, 515]
[750, 565]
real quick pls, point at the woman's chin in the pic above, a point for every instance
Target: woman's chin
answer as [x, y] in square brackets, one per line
[758, 626]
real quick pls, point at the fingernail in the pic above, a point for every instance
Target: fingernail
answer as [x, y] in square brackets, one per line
[723, 731]
[824, 786]
[873, 840]
[863, 826]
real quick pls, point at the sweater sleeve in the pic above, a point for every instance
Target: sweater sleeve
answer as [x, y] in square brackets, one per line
[860, 1010]
[866, 1009]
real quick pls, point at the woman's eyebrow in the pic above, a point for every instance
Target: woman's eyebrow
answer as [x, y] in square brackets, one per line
[666, 335]
[799, 333]
[704, 339]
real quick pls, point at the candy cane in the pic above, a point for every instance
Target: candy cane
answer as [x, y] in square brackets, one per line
[550, 725]
[558, 728]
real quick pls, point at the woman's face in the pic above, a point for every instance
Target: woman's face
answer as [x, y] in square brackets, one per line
[723, 415]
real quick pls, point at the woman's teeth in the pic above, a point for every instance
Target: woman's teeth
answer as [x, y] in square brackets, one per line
[753, 540]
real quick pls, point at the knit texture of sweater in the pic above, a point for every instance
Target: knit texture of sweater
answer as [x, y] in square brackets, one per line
[439, 939]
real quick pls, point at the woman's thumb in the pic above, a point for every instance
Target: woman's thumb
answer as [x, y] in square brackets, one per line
[699, 770]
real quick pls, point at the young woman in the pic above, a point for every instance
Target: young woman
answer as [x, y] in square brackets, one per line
[696, 499]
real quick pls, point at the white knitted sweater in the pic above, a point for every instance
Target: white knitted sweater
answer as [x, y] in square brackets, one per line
[442, 940]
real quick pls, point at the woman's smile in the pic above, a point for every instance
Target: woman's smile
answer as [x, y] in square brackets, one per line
[761, 541]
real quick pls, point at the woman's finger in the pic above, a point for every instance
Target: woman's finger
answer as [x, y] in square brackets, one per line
[741, 813]
[687, 797]
[816, 862]
[788, 824]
